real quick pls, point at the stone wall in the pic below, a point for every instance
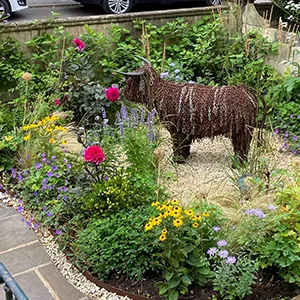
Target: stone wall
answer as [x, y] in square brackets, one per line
[289, 43]
[24, 31]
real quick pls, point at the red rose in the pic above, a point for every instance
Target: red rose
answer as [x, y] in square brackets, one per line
[94, 154]
[112, 94]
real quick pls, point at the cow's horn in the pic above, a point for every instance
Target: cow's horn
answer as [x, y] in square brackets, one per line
[130, 74]
[143, 59]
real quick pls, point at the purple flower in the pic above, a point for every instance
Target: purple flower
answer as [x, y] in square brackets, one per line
[53, 157]
[36, 225]
[13, 172]
[223, 253]
[69, 166]
[271, 207]
[285, 146]
[43, 155]
[49, 214]
[35, 193]
[212, 251]
[44, 159]
[164, 74]
[45, 181]
[38, 166]
[20, 159]
[66, 198]
[27, 156]
[57, 232]
[230, 260]
[276, 131]
[298, 117]
[216, 228]
[221, 243]
[19, 201]
[295, 138]
[20, 209]
[54, 168]
[291, 116]
[191, 81]
[286, 134]
[294, 151]
[177, 71]
[44, 208]
[255, 212]
[49, 174]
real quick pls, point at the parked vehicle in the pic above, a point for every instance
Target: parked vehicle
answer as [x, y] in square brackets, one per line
[10, 6]
[124, 6]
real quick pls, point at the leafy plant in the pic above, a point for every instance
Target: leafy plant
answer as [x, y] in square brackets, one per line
[116, 245]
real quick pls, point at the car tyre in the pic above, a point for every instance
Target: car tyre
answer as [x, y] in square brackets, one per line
[4, 9]
[116, 6]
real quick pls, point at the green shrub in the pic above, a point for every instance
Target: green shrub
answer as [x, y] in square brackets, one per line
[117, 244]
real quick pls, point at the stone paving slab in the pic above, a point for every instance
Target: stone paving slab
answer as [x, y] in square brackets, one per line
[25, 258]
[14, 232]
[6, 212]
[33, 287]
[59, 284]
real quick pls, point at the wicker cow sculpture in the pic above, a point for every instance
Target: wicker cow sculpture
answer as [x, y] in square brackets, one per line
[191, 111]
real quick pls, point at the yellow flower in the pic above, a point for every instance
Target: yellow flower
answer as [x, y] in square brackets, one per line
[156, 221]
[27, 137]
[8, 138]
[175, 201]
[161, 207]
[163, 237]
[169, 208]
[50, 130]
[177, 222]
[164, 231]
[64, 142]
[206, 214]
[148, 226]
[195, 225]
[52, 141]
[198, 217]
[60, 128]
[177, 208]
[165, 214]
[188, 212]
[156, 203]
[175, 214]
[194, 218]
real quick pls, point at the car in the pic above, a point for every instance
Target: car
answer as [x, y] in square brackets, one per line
[124, 6]
[10, 6]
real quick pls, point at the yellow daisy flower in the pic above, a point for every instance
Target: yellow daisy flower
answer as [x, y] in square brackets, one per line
[64, 142]
[156, 203]
[165, 214]
[163, 237]
[195, 225]
[161, 207]
[175, 201]
[27, 137]
[52, 141]
[177, 208]
[205, 214]
[199, 217]
[8, 138]
[176, 214]
[188, 212]
[164, 231]
[156, 221]
[148, 226]
[193, 218]
[177, 222]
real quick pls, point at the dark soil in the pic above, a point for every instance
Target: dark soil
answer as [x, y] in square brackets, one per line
[268, 288]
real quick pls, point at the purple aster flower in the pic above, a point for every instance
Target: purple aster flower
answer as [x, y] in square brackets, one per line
[66, 198]
[57, 232]
[216, 228]
[69, 166]
[20, 159]
[53, 157]
[164, 74]
[177, 71]
[38, 166]
[291, 116]
[44, 208]
[35, 193]
[105, 178]
[49, 214]
[298, 117]
[286, 134]
[57, 175]
[44, 159]
[20, 177]
[13, 172]
[19, 201]
[294, 151]
[23, 219]
[295, 138]
[221, 243]
[45, 181]
[276, 131]
[212, 251]
[271, 207]
[223, 253]
[20, 209]
[285, 146]
[49, 174]
[27, 156]
[36, 225]
[43, 155]
[230, 260]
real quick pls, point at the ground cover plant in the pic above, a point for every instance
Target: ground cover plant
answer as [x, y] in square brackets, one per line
[106, 203]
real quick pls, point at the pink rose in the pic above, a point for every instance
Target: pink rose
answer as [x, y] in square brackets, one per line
[94, 154]
[112, 94]
[79, 44]
[57, 102]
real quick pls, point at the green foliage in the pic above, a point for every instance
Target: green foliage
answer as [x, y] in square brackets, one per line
[116, 245]
[281, 247]
[181, 238]
[284, 111]
[235, 280]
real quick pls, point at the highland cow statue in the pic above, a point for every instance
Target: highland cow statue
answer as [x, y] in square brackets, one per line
[191, 111]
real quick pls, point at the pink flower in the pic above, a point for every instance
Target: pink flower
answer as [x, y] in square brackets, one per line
[79, 44]
[112, 94]
[57, 102]
[94, 154]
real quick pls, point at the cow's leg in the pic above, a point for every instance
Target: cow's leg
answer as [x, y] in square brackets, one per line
[241, 144]
[181, 147]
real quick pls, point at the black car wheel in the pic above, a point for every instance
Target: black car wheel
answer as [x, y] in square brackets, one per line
[117, 6]
[4, 9]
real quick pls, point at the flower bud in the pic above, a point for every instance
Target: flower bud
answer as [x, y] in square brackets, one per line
[27, 76]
